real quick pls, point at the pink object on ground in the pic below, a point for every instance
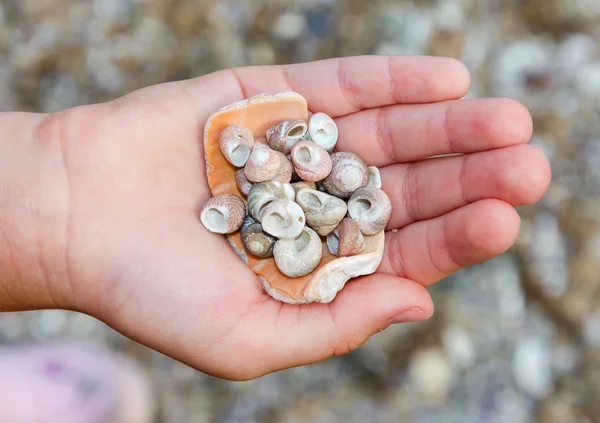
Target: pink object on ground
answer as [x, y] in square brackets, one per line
[71, 384]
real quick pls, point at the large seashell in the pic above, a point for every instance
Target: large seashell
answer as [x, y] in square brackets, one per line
[374, 177]
[256, 240]
[284, 135]
[349, 173]
[243, 184]
[312, 162]
[299, 256]
[323, 131]
[323, 211]
[258, 114]
[265, 164]
[303, 184]
[346, 240]
[223, 214]
[262, 194]
[371, 208]
[283, 219]
[236, 144]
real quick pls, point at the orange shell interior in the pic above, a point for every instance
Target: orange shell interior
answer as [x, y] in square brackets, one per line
[257, 114]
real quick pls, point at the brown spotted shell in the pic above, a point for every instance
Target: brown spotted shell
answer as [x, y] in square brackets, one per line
[258, 114]
[312, 162]
[346, 240]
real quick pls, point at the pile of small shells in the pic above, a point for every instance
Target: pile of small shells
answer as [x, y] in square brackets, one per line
[298, 190]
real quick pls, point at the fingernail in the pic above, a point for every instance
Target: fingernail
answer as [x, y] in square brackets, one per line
[414, 314]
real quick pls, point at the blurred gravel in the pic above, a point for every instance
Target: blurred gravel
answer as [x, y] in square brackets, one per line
[516, 339]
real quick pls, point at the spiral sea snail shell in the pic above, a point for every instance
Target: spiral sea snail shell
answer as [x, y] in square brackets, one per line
[371, 208]
[323, 211]
[298, 256]
[243, 184]
[236, 144]
[223, 214]
[348, 174]
[262, 194]
[283, 219]
[312, 162]
[323, 131]
[346, 240]
[265, 164]
[374, 177]
[284, 135]
[256, 240]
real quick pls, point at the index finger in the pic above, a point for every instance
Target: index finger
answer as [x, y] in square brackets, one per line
[346, 85]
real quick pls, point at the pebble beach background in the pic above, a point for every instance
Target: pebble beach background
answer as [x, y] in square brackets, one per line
[513, 340]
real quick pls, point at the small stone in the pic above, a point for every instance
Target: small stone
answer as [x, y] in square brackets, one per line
[532, 367]
[289, 26]
[458, 346]
[431, 374]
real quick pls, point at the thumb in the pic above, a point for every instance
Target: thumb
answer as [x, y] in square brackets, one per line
[294, 335]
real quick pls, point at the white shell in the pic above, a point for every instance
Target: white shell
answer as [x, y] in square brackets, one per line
[262, 194]
[283, 219]
[323, 131]
[374, 177]
[312, 162]
[223, 214]
[371, 208]
[298, 256]
[236, 143]
[323, 211]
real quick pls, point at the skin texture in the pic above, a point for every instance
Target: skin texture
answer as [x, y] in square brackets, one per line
[112, 227]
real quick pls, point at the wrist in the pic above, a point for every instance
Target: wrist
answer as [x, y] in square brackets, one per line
[34, 206]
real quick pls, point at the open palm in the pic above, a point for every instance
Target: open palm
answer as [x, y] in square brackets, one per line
[140, 260]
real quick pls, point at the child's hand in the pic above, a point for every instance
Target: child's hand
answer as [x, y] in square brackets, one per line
[137, 257]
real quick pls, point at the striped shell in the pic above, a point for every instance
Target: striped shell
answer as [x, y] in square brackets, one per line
[346, 240]
[243, 184]
[284, 135]
[223, 214]
[259, 243]
[371, 208]
[312, 162]
[348, 174]
[323, 211]
[262, 194]
[265, 164]
[236, 144]
[299, 256]
[323, 131]
[283, 219]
